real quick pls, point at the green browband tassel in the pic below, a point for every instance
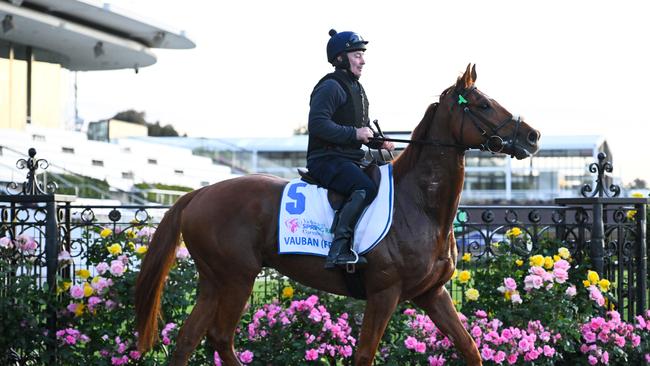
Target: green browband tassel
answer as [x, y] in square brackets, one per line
[461, 100]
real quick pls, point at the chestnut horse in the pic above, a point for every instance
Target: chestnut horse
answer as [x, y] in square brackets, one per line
[231, 230]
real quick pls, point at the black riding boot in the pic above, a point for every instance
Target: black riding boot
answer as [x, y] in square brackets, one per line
[340, 251]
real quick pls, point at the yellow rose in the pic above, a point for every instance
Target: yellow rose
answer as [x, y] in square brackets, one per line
[548, 262]
[604, 285]
[105, 232]
[637, 195]
[130, 245]
[593, 277]
[556, 258]
[472, 294]
[88, 290]
[115, 249]
[507, 295]
[141, 249]
[536, 261]
[63, 287]
[519, 262]
[464, 276]
[79, 310]
[564, 253]
[96, 279]
[514, 232]
[130, 234]
[586, 283]
[467, 257]
[287, 292]
[455, 274]
[630, 214]
[83, 273]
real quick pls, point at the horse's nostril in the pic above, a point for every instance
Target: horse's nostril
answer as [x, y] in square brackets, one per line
[533, 136]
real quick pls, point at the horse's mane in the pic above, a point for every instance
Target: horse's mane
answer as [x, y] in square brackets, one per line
[409, 157]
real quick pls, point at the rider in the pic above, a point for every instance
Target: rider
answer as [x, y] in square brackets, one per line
[338, 125]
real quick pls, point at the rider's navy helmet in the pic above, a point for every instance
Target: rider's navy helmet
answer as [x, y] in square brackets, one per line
[343, 42]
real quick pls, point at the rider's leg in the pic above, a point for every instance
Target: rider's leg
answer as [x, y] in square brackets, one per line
[348, 217]
[361, 190]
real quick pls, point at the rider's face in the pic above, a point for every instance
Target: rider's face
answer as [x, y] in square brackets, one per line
[356, 62]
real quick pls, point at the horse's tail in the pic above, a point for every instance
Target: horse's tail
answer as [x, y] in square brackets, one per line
[153, 273]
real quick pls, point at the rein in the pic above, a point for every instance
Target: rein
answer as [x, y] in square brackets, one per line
[493, 143]
[421, 142]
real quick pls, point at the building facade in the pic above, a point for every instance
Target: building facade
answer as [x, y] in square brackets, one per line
[42, 44]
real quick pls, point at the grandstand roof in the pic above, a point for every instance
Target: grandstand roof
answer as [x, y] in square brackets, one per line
[85, 35]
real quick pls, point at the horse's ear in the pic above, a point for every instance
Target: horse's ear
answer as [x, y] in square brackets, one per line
[474, 73]
[464, 81]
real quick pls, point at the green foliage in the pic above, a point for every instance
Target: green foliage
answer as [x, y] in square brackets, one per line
[153, 129]
[22, 309]
[169, 187]
[132, 115]
[295, 325]
[78, 185]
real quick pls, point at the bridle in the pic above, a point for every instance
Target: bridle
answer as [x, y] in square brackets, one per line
[492, 143]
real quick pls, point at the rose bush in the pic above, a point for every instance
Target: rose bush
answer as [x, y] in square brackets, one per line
[542, 308]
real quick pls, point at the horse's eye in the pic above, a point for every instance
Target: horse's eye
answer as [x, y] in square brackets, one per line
[485, 106]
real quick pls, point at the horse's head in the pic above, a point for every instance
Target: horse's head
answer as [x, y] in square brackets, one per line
[478, 121]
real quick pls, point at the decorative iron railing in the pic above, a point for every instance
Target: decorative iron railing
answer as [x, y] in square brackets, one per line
[611, 231]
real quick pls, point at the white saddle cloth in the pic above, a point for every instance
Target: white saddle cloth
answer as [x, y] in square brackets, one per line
[306, 218]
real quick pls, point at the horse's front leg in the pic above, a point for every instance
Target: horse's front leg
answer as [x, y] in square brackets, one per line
[379, 308]
[440, 308]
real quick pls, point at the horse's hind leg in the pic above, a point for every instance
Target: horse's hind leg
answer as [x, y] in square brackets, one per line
[234, 295]
[440, 308]
[195, 325]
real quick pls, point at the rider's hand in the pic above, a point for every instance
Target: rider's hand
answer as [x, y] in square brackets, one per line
[388, 145]
[364, 134]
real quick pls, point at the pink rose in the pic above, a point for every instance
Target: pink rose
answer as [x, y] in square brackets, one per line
[311, 355]
[420, 347]
[246, 357]
[561, 275]
[101, 268]
[77, 292]
[5, 242]
[571, 291]
[596, 295]
[410, 342]
[562, 264]
[548, 351]
[182, 253]
[117, 268]
[592, 360]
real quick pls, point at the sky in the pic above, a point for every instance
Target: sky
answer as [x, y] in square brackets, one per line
[569, 67]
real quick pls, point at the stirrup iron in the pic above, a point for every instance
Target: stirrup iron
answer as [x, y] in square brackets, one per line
[350, 267]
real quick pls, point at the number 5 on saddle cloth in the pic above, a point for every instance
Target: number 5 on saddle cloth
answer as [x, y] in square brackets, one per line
[306, 215]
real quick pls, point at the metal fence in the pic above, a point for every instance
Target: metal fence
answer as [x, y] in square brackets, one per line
[611, 231]
[616, 245]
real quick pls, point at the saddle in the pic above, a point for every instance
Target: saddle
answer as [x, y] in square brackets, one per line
[335, 199]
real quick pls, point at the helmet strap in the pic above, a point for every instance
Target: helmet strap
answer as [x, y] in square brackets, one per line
[343, 64]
